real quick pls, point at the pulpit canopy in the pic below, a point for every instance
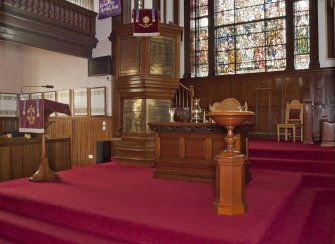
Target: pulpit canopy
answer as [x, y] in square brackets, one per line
[34, 114]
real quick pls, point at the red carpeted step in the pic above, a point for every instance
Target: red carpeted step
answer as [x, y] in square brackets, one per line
[321, 222]
[290, 225]
[291, 153]
[6, 241]
[298, 165]
[290, 150]
[318, 180]
[127, 203]
[18, 228]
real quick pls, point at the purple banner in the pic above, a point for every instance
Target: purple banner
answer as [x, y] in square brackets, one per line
[109, 8]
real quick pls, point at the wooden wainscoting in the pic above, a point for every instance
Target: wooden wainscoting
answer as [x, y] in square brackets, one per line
[84, 133]
[20, 157]
[268, 93]
[8, 124]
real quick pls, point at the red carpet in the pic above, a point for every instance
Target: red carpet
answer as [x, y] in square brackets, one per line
[110, 203]
[113, 202]
[289, 156]
[310, 217]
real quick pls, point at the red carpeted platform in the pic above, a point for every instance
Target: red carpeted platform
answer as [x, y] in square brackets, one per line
[109, 203]
[122, 203]
[289, 156]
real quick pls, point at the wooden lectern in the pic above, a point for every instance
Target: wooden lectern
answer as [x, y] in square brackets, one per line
[34, 115]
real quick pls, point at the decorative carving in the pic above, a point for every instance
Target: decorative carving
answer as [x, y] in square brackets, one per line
[189, 127]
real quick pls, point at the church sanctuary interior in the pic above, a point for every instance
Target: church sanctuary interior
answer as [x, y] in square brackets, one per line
[166, 121]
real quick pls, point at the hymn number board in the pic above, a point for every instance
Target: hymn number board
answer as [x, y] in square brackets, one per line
[8, 104]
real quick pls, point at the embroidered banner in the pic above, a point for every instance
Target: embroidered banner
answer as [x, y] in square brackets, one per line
[31, 116]
[146, 22]
[34, 114]
[109, 8]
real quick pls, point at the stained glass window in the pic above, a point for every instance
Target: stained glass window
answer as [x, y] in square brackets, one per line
[199, 38]
[249, 36]
[301, 34]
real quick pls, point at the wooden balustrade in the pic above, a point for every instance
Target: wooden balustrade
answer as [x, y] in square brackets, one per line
[184, 96]
[183, 102]
[55, 25]
[57, 10]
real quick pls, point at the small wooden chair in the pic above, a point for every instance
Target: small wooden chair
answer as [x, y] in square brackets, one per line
[293, 120]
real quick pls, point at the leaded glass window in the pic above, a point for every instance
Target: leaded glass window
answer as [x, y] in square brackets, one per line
[301, 34]
[249, 36]
[199, 38]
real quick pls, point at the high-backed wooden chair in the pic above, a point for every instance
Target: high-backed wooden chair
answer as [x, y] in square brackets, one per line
[293, 120]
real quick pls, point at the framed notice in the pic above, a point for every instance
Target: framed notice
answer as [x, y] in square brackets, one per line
[80, 102]
[37, 95]
[8, 105]
[64, 96]
[98, 101]
[25, 96]
[52, 97]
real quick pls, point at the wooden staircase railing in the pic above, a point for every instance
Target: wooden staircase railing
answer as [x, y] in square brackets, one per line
[183, 103]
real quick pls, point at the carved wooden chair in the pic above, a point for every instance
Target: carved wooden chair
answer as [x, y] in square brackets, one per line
[293, 120]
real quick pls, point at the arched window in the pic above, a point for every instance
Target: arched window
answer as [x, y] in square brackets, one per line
[247, 36]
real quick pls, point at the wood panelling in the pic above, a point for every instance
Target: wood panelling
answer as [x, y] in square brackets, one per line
[84, 133]
[268, 93]
[8, 124]
[187, 151]
[20, 157]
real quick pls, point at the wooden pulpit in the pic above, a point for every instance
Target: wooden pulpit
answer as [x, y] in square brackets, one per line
[34, 115]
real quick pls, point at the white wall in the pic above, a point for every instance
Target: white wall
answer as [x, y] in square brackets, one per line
[103, 30]
[26, 66]
[10, 71]
[324, 60]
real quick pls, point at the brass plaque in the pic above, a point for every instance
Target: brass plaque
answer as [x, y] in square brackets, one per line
[129, 56]
[134, 115]
[137, 113]
[163, 56]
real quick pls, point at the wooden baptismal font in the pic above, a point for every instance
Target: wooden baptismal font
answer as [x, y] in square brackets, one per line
[230, 168]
